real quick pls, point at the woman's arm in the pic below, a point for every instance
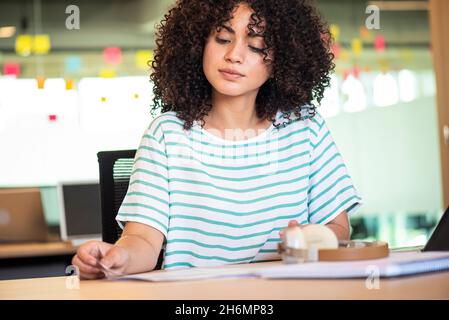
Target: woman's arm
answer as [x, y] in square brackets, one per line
[136, 251]
[340, 226]
[143, 244]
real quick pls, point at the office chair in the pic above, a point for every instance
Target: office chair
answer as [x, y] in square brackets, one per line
[115, 172]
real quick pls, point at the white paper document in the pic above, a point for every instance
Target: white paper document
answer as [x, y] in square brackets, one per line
[196, 273]
[397, 264]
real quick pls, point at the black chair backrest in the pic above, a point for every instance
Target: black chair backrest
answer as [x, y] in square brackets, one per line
[115, 172]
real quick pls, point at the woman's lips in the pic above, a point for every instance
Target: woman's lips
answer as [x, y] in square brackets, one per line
[230, 76]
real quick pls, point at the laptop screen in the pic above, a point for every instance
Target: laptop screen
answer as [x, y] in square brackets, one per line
[439, 241]
[81, 210]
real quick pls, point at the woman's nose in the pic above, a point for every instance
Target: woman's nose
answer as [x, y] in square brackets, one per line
[235, 53]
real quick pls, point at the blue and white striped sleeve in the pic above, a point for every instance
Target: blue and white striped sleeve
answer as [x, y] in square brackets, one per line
[147, 198]
[331, 190]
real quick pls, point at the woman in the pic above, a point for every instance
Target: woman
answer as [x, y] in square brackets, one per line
[238, 152]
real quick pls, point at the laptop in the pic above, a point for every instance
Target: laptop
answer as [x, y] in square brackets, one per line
[439, 240]
[80, 211]
[22, 216]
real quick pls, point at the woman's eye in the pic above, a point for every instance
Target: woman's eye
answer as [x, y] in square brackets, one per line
[258, 50]
[254, 49]
[219, 40]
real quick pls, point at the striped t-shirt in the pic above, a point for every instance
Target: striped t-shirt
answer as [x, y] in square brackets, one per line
[219, 201]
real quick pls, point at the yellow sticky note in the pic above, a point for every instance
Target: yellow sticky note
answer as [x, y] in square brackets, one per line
[144, 58]
[40, 82]
[24, 43]
[107, 73]
[357, 47]
[335, 31]
[68, 84]
[41, 44]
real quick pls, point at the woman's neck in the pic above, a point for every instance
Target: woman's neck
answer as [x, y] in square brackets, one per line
[234, 118]
[234, 113]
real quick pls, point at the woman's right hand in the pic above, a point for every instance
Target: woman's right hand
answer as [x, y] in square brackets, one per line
[90, 254]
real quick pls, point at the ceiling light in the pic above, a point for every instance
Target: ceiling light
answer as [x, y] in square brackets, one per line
[7, 32]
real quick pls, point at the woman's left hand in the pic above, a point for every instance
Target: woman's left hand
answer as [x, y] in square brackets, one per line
[291, 223]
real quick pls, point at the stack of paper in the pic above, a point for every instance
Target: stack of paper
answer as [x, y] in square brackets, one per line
[397, 264]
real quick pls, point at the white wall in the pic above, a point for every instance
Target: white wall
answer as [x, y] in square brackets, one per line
[393, 155]
[102, 114]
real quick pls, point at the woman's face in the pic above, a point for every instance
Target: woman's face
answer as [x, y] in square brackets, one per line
[231, 48]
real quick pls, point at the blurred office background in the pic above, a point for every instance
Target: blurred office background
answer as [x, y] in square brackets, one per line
[66, 94]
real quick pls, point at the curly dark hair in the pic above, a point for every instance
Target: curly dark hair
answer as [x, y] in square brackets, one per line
[299, 39]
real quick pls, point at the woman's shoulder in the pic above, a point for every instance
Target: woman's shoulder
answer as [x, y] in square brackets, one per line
[165, 122]
[304, 117]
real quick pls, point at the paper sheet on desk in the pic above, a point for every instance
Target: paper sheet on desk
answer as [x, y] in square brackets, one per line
[194, 274]
[397, 264]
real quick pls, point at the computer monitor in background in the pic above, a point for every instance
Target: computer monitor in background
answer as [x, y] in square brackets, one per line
[22, 217]
[80, 211]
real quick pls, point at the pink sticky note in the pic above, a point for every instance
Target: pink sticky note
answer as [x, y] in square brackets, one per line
[11, 68]
[52, 117]
[379, 43]
[112, 55]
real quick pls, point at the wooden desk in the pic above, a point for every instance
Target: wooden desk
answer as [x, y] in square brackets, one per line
[427, 286]
[35, 249]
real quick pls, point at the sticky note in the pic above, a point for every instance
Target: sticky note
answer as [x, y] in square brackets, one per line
[107, 73]
[68, 84]
[11, 69]
[335, 31]
[379, 43]
[72, 64]
[52, 117]
[40, 82]
[112, 55]
[143, 59]
[357, 47]
[24, 44]
[41, 44]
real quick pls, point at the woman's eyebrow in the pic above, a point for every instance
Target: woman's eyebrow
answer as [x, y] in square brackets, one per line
[251, 34]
